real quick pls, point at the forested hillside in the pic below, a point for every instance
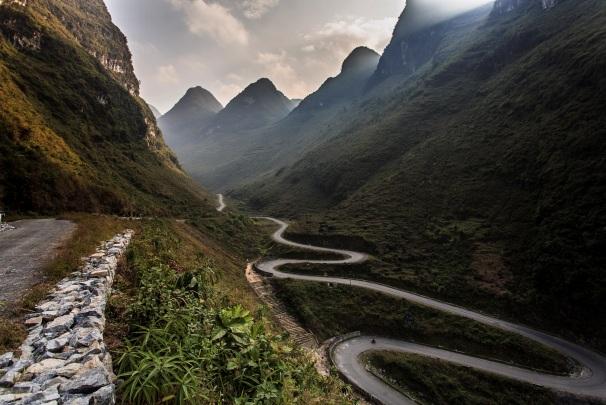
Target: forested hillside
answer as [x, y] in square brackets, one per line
[479, 173]
[74, 134]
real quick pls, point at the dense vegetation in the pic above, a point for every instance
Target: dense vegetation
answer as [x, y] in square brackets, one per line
[431, 381]
[480, 177]
[184, 342]
[74, 135]
[334, 311]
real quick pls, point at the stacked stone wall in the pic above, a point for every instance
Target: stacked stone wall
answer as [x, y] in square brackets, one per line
[64, 359]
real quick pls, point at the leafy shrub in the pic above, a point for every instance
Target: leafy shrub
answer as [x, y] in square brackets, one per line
[193, 347]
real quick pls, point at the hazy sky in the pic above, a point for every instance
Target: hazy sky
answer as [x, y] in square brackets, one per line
[223, 45]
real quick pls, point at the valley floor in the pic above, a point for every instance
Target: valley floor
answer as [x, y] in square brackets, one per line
[178, 269]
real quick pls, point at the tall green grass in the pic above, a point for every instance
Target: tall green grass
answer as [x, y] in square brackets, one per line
[188, 344]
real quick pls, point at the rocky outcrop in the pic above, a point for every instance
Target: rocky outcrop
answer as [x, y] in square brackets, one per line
[418, 38]
[549, 4]
[419, 34]
[506, 6]
[64, 359]
[91, 25]
[357, 68]
[12, 28]
[24, 42]
[6, 227]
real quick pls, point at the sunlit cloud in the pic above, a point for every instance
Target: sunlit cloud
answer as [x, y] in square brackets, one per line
[224, 45]
[167, 75]
[212, 19]
[342, 35]
[280, 68]
[258, 8]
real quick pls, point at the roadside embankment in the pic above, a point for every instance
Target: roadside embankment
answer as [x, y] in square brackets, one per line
[64, 357]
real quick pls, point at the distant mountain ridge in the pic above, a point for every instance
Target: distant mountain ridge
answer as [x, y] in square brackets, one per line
[258, 105]
[196, 99]
[242, 142]
[155, 111]
[359, 65]
[189, 117]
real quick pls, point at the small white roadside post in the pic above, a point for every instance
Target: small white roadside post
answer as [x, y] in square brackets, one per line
[1, 216]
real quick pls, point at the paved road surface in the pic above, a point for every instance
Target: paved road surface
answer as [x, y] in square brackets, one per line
[25, 250]
[222, 205]
[591, 381]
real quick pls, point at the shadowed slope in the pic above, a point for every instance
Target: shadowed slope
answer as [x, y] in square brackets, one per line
[480, 176]
[74, 135]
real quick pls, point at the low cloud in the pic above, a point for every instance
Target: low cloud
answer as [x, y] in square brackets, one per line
[212, 19]
[280, 68]
[345, 34]
[167, 74]
[226, 91]
[257, 8]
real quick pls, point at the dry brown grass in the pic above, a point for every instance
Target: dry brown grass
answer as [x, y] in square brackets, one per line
[232, 281]
[12, 333]
[490, 272]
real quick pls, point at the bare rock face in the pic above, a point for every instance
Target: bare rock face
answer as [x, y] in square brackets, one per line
[64, 358]
[416, 40]
[91, 24]
[22, 3]
[418, 36]
[505, 6]
[549, 4]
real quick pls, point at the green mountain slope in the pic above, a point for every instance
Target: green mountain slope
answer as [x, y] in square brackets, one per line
[357, 68]
[74, 134]
[479, 174]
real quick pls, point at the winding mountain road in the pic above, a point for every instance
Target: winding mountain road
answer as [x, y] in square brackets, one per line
[222, 205]
[590, 381]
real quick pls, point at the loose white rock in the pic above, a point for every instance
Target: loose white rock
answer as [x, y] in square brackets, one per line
[64, 359]
[44, 366]
[7, 360]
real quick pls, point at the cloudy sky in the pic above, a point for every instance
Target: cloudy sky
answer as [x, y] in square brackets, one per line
[223, 45]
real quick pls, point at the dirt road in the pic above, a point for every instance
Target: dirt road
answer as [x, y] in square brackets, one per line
[25, 250]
